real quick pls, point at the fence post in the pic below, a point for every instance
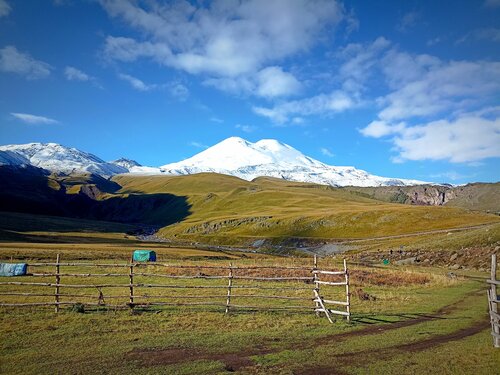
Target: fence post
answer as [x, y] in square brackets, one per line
[58, 281]
[316, 285]
[131, 283]
[348, 295]
[493, 304]
[229, 285]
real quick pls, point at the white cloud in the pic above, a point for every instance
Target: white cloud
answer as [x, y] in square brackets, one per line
[270, 82]
[323, 104]
[217, 120]
[491, 34]
[74, 74]
[32, 119]
[246, 128]
[274, 82]
[327, 152]
[234, 44]
[439, 87]
[223, 38]
[377, 129]
[468, 138]
[359, 59]
[435, 109]
[4, 8]
[137, 84]
[198, 145]
[13, 61]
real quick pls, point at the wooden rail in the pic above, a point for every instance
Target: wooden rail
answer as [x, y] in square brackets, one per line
[493, 301]
[294, 282]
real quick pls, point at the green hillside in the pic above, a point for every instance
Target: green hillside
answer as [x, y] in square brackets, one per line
[227, 209]
[223, 209]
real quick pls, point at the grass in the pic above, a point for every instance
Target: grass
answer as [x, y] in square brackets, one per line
[225, 209]
[202, 340]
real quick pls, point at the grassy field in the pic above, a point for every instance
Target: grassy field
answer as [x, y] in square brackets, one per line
[404, 319]
[225, 209]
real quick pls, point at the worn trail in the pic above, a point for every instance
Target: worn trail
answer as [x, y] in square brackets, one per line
[238, 360]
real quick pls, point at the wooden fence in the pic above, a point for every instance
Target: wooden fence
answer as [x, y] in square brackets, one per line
[493, 302]
[270, 287]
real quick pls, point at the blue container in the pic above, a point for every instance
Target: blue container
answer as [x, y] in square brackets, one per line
[144, 256]
[13, 269]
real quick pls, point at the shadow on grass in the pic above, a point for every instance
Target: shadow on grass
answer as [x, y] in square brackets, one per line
[34, 191]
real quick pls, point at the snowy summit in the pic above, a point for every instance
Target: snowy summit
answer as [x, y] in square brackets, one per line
[268, 157]
[233, 156]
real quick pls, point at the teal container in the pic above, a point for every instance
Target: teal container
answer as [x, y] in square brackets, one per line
[144, 256]
[13, 269]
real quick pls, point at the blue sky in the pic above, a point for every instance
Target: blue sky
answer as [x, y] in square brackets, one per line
[407, 89]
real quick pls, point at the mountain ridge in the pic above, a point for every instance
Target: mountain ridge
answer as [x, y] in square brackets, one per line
[233, 156]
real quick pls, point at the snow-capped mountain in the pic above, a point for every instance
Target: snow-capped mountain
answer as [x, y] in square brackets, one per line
[268, 157]
[126, 163]
[12, 158]
[134, 167]
[57, 158]
[233, 156]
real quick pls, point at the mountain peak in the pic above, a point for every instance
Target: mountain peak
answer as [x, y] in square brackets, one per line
[270, 157]
[57, 158]
[232, 156]
[126, 163]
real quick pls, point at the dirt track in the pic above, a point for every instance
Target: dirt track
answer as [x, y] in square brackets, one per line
[236, 361]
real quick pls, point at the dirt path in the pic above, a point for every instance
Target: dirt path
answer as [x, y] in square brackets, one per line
[236, 361]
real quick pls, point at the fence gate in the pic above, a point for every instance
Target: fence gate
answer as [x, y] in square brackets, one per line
[493, 302]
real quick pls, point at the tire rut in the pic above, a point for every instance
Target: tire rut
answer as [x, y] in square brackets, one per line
[238, 360]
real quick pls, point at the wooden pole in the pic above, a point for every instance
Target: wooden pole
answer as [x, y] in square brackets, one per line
[229, 286]
[494, 304]
[347, 293]
[131, 283]
[316, 284]
[58, 282]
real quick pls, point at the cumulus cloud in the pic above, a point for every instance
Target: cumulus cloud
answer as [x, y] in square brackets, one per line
[433, 109]
[327, 152]
[377, 129]
[4, 8]
[33, 119]
[74, 74]
[322, 104]
[13, 61]
[137, 84]
[439, 87]
[467, 138]
[233, 43]
[274, 82]
[271, 82]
